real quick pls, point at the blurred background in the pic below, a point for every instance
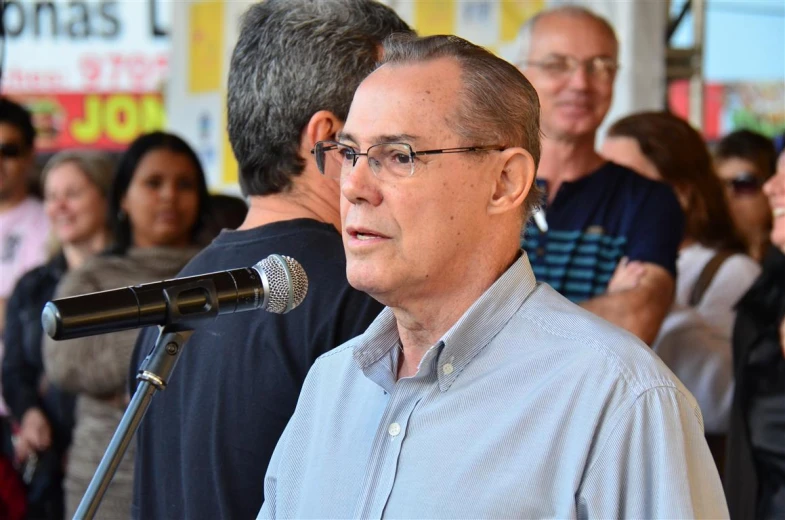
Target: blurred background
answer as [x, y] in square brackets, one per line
[97, 73]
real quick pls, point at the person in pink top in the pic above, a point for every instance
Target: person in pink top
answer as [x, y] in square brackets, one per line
[24, 228]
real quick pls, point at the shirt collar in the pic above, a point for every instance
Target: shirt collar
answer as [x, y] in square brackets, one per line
[470, 334]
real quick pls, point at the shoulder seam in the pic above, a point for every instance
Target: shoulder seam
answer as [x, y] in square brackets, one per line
[638, 385]
[619, 414]
[336, 350]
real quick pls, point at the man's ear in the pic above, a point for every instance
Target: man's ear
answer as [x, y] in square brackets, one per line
[512, 181]
[323, 125]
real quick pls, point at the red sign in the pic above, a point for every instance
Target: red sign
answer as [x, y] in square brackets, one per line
[728, 107]
[99, 121]
[679, 100]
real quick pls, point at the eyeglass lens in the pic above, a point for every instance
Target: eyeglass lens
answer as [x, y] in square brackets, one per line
[744, 184]
[337, 160]
[598, 66]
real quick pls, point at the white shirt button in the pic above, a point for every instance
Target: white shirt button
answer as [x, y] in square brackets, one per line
[447, 369]
[394, 429]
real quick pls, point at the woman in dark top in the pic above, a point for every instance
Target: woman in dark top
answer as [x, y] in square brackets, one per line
[755, 471]
[76, 188]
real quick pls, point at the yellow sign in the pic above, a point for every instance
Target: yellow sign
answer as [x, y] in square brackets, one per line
[435, 17]
[116, 118]
[206, 42]
[493, 24]
[229, 172]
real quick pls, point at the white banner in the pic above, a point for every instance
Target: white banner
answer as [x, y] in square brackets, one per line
[86, 45]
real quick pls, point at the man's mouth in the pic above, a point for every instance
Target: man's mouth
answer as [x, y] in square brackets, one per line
[364, 234]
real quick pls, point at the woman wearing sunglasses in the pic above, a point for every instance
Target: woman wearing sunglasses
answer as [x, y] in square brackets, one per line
[744, 161]
[713, 269]
[755, 474]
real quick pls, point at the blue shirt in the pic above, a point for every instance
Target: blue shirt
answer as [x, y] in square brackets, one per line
[596, 220]
[528, 407]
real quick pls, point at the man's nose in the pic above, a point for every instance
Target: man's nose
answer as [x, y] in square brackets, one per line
[580, 77]
[359, 183]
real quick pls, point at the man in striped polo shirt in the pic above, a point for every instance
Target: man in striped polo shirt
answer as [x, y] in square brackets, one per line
[596, 213]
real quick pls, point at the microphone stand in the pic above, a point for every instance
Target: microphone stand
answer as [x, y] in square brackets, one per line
[153, 375]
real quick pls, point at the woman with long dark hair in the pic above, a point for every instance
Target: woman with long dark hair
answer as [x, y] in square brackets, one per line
[157, 205]
[713, 268]
[744, 161]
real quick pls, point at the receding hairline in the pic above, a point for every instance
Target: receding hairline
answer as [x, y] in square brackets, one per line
[528, 30]
[410, 138]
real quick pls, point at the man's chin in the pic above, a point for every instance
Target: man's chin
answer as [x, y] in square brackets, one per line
[573, 129]
[368, 281]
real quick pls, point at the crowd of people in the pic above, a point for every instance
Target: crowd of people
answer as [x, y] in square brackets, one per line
[502, 320]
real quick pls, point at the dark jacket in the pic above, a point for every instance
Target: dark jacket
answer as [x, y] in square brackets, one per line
[23, 367]
[755, 464]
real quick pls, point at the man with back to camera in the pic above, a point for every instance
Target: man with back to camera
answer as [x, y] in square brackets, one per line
[206, 441]
[596, 214]
[477, 392]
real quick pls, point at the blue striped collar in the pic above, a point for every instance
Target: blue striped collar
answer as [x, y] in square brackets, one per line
[459, 345]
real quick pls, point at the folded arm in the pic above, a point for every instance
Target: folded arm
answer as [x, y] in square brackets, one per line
[639, 309]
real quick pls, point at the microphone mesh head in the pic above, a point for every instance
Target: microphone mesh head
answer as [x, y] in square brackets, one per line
[287, 280]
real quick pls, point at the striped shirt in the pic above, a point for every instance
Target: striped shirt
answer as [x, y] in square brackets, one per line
[596, 220]
[528, 407]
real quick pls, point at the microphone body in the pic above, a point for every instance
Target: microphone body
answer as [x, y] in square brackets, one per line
[276, 284]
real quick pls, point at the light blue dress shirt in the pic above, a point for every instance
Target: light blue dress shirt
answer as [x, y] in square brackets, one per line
[528, 407]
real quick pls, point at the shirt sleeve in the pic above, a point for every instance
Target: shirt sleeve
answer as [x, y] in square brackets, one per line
[654, 463]
[657, 230]
[700, 356]
[20, 378]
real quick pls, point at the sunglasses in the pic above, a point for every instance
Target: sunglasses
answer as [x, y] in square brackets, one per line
[11, 150]
[743, 184]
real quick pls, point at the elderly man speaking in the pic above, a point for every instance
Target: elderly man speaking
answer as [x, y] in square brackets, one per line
[477, 393]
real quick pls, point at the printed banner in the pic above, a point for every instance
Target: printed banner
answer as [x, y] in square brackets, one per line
[98, 121]
[727, 107]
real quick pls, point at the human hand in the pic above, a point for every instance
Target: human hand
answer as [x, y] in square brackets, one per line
[626, 276]
[35, 430]
[22, 449]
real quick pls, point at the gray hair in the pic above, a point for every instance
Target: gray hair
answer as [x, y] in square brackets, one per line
[294, 58]
[98, 167]
[526, 32]
[498, 104]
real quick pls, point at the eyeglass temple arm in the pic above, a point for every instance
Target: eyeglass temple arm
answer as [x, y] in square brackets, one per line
[461, 150]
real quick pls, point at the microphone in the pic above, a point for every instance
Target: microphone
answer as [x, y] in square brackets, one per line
[276, 284]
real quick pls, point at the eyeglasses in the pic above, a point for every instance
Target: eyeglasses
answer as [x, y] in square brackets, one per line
[745, 183]
[386, 160]
[11, 150]
[558, 66]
